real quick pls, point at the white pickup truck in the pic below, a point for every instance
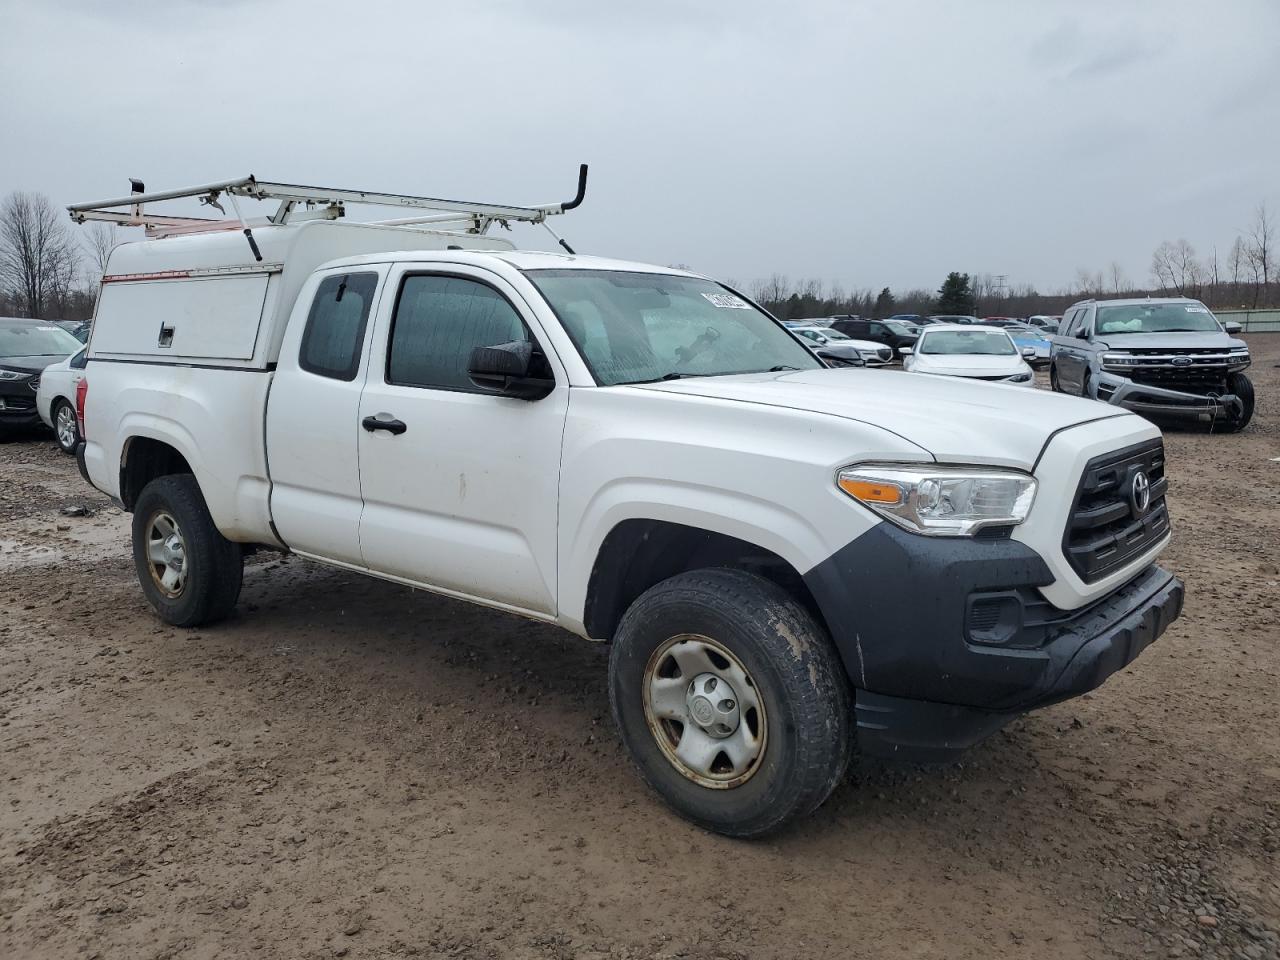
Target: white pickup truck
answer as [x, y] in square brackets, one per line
[791, 562]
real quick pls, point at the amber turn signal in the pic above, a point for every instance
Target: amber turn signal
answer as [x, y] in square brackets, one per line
[870, 492]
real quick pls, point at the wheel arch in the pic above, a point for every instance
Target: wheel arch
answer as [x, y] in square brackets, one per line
[638, 553]
[143, 458]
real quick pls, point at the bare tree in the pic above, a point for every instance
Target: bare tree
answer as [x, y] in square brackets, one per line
[1261, 249]
[1176, 268]
[101, 237]
[1116, 278]
[38, 259]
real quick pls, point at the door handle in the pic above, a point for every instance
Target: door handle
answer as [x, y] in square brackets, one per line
[392, 426]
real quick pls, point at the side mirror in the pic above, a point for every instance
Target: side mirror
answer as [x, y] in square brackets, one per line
[506, 368]
[904, 351]
[832, 360]
[1028, 353]
[1232, 327]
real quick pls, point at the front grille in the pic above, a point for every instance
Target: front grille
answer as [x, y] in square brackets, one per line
[17, 403]
[1105, 529]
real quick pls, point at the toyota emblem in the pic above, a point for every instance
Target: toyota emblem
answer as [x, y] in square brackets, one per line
[1140, 494]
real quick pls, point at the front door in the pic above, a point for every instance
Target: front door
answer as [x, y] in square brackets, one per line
[461, 491]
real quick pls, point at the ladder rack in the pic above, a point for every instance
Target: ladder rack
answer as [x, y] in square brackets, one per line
[299, 203]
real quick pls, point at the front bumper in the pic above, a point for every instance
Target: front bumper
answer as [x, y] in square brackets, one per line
[946, 641]
[18, 405]
[1162, 402]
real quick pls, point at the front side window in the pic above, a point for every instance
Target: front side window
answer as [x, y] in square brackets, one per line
[1157, 318]
[334, 335]
[643, 327]
[439, 321]
[987, 343]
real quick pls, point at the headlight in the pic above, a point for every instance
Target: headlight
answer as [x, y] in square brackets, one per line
[1118, 359]
[941, 501]
[13, 375]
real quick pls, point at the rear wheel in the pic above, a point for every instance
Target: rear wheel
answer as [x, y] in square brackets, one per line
[731, 700]
[64, 426]
[1242, 387]
[189, 572]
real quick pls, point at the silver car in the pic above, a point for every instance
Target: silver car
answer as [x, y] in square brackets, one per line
[1165, 357]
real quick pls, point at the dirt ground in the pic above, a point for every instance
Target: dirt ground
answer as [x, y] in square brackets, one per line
[352, 768]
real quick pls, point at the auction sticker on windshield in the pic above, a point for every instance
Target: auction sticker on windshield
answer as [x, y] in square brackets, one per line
[727, 300]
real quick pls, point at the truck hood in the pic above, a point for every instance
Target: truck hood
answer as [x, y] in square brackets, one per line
[954, 420]
[1168, 341]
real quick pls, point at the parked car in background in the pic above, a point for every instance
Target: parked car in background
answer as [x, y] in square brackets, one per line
[912, 318]
[1026, 337]
[976, 353]
[889, 332]
[1167, 357]
[77, 328]
[1045, 322]
[842, 350]
[26, 348]
[56, 399]
[954, 318]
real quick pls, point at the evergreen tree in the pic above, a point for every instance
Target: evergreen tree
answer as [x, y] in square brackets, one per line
[955, 295]
[885, 305]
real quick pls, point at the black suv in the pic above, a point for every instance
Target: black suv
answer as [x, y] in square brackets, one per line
[890, 332]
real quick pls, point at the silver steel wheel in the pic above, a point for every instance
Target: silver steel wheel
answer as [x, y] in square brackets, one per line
[704, 711]
[64, 426]
[166, 554]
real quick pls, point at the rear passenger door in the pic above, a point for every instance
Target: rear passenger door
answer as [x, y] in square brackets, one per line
[463, 499]
[312, 423]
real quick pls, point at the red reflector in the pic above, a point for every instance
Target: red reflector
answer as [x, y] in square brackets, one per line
[82, 391]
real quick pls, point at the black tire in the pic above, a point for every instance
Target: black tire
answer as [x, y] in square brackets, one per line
[213, 566]
[1084, 386]
[795, 673]
[1054, 385]
[59, 406]
[1242, 387]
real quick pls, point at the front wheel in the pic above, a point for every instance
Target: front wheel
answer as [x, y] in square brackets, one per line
[1054, 383]
[731, 700]
[1242, 387]
[189, 572]
[65, 427]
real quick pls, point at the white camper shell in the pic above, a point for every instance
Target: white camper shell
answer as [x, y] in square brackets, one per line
[203, 299]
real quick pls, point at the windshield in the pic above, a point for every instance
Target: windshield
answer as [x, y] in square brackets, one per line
[988, 343]
[811, 334]
[901, 329]
[836, 335]
[642, 327]
[36, 340]
[1157, 318]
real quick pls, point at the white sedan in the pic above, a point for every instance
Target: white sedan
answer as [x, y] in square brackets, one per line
[56, 399]
[973, 352]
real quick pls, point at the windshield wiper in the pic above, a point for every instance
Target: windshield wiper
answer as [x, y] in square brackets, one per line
[780, 367]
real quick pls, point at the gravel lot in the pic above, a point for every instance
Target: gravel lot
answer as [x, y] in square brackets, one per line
[352, 768]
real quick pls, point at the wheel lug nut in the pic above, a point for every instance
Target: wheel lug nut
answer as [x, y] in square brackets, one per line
[710, 685]
[727, 705]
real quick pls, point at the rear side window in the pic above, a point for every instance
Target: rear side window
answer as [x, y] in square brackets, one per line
[335, 326]
[439, 321]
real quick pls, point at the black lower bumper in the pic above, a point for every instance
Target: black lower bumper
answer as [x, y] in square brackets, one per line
[932, 676]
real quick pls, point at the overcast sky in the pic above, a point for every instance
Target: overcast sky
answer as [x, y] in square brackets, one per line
[869, 142]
